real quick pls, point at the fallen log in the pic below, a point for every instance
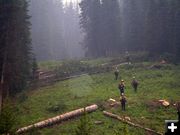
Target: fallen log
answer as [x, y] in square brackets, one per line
[59, 118]
[129, 123]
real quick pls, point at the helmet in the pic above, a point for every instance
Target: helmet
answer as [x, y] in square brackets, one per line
[122, 80]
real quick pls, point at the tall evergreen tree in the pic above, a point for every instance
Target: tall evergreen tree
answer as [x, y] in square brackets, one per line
[72, 34]
[15, 46]
[111, 27]
[90, 23]
[100, 20]
[176, 28]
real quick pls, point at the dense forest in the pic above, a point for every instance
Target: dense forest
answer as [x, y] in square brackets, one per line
[107, 28]
[144, 25]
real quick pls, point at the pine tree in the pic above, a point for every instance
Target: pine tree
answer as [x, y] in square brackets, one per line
[90, 21]
[176, 29]
[100, 21]
[34, 69]
[15, 46]
[84, 127]
[111, 27]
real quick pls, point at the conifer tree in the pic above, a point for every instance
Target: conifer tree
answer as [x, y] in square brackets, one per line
[100, 21]
[15, 46]
[84, 127]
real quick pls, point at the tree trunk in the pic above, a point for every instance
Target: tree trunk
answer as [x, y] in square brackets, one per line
[1, 87]
[1, 96]
[59, 118]
[129, 123]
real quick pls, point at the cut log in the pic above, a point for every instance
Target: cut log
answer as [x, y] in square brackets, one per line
[164, 102]
[59, 118]
[127, 118]
[98, 122]
[111, 100]
[129, 123]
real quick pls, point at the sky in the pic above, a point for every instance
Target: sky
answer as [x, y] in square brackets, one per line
[68, 1]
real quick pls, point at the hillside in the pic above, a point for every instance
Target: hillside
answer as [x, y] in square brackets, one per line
[142, 107]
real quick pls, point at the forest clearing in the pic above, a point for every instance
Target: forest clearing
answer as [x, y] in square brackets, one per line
[142, 107]
[89, 67]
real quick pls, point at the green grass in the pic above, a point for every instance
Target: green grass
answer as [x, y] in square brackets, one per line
[49, 65]
[53, 64]
[155, 84]
[99, 61]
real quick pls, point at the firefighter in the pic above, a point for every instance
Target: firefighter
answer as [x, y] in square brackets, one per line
[121, 87]
[134, 84]
[123, 102]
[116, 73]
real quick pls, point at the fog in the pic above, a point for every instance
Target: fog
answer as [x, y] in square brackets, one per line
[66, 30]
[121, 57]
[55, 29]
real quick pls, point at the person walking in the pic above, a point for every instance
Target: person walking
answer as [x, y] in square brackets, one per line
[134, 84]
[128, 57]
[121, 87]
[123, 102]
[116, 73]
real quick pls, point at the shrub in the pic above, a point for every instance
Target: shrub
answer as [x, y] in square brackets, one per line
[8, 118]
[125, 130]
[84, 127]
[22, 97]
[139, 56]
[57, 107]
[71, 68]
[122, 130]
[101, 105]
[168, 57]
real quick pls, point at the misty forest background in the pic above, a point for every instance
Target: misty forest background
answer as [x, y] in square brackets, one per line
[51, 30]
[98, 28]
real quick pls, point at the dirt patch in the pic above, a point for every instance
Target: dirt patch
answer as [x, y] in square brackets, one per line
[153, 105]
[112, 103]
[109, 104]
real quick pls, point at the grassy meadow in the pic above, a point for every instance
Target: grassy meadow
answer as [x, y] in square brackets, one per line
[75, 93]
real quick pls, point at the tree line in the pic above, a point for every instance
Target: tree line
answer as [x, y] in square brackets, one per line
[112, 27]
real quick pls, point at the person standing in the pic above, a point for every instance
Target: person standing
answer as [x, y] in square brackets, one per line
[116, 73]
[123, 102]
[134, 84]
[128, 57]
[121, 87]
